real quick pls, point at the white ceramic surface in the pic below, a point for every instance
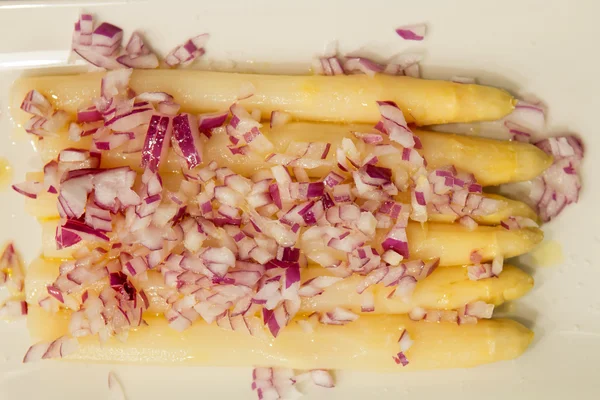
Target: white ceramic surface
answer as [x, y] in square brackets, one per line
[543, 47]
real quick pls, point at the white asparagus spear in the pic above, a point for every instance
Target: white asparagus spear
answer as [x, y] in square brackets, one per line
[346, 98]
[452, 243]
[45, 205]
[366, 344]
[446, 288]
[492, 162]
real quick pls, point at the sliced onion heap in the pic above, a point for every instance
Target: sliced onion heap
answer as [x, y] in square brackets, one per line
[187, 52]
[458, 194]
[279, 383]
[402, 64]
[560, 184]
[102, 47]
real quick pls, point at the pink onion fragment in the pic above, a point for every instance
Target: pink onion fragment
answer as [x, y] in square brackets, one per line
[157, 141]
[560, 184]
[321, 377]
[412, 32]
[115, 388]
[187, 139]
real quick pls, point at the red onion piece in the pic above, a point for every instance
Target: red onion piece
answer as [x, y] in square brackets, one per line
[479, 309]
[328, 66]
[468, 222]
[518, 132]
[154, 97]
[339, 316]
[497, 265]
[135, 46]
[130, 120]
[412, 32]
[404, 65]
[397, 241]
[530, 116]
[367, 303]
[405, 342]
[395, 124]
[36, 103]
[400, 358]
[107, 35]
[89, 114]
[187, 52]
[186, 139]
[157, 141]
[48, 126]
[147, 61]
[97, 59]
[29, 188]
[362, 65]
[321, 377]
[13, 309]
[207, 122]
[279, 118]
[417, 314]
[463, 80]
[73, 231]
[479, 271]
[115, 387]
[560, 184]
[59, 348]
[10, 261]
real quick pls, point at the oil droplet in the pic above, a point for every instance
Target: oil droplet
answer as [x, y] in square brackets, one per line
[5, 173]
[547, 254]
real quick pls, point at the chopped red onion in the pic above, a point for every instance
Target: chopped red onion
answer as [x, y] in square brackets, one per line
[316, 286]
[207, 122]
[367, 303]
[394, 124]
[404, 65]
[279, 118]
[188, 52]
[97, 59]
[530, 116]
[115, 387]
[468, 223]
[560, 184]
[59, 348]
[479, 309]
[479, 271]
[417, 314]
[463, 79]
[412, 32]
[73, 231]
[13, 309]
[36, 103]
[186, 139]
[339, 316]
[362, 65]
[397, 241]
[157, 141]
[328, 66]
[147, 61]
[30, 189]
[89, 114]
[321, 377]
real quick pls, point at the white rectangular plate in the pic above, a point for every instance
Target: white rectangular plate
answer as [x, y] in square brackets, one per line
[544, 47]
